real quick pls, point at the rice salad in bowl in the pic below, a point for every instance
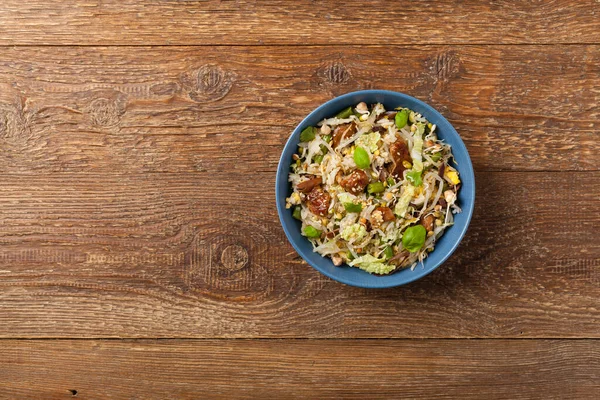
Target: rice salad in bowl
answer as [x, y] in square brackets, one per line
[373, 188]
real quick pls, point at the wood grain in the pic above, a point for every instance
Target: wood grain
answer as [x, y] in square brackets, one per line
[205, 109]
[114, 22]
[275, 369]
[203, 255]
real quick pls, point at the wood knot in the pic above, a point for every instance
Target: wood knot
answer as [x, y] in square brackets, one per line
[230, 261]
[107, 108]
[445, 66]
[210, 82]
[15, 124]
[234, 257]
[334, 73]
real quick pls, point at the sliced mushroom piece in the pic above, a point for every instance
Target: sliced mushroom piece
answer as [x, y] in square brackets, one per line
[308, 185]
[428, 222]
[342, 132]
[399, 259]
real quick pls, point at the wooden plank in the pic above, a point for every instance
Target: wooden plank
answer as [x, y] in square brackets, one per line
[114, 22]
[189, 109]
[203, 255]
[323, 369]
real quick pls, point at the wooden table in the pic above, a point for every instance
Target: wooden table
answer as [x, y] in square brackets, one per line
[141, 255]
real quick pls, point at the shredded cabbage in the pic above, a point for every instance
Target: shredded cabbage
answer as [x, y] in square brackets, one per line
[369, 141]
[372, 265]
[404, 200]
[417, 148]
[354, 232]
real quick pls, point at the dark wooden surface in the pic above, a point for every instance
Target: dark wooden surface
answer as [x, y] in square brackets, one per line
[323, 369]
[140, 250]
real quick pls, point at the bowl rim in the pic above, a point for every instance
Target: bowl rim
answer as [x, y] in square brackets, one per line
[464, 169]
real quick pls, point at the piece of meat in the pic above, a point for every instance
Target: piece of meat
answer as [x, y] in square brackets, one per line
[318, 201]
[442, 202]
[386, 213]
[355, 182]
[342, 132]
[308, 185]
[400, 153]
[427, 222]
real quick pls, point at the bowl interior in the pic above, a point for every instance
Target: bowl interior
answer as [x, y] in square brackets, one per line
[445, 245]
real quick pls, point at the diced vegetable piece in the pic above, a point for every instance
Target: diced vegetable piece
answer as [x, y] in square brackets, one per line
[414, 177]
[308, 134]
[345, 113]
[353, 207]
[311, 232]
[401, 118]
[375, 187]
[388, 252]
[297, 213]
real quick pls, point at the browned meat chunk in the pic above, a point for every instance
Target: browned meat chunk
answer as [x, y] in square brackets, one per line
[318, 201]
[356, 182]
[381, 215]
[308, 185]
[342, 132]
[400, 153]
[386, 213]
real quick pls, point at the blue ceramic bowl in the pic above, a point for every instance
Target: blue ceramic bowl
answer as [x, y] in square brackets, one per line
[449, 240]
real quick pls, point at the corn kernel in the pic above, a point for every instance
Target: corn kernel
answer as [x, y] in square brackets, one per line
[338, 216]
[406, 164]
[376, 153]
[438, 222]
[389, 196]
[363, 221]
[453, 177]
[430, 233]
[364, 117]
[374, 175]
